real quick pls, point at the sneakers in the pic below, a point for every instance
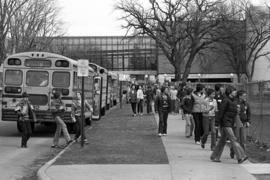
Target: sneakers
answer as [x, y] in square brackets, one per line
[240, 161]
[197, 142]
[159, 134]
[215, 160]
[202, 145]
[165, 134]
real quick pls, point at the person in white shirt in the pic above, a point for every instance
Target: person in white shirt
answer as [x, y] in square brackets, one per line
[140, 98]
[209, 119]
[173, 94]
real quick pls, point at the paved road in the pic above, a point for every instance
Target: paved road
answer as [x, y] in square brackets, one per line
[17, 162]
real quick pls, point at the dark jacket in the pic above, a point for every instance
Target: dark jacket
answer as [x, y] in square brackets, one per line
[244, 111]
[163, 105]
[187, 105]
[133, 96]
[218, 97]
[149, 95]
[227, 112]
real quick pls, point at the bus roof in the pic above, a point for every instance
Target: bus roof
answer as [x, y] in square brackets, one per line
[41, 54]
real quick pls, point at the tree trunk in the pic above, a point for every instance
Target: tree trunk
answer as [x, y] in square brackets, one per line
[177, 70]
[188, 67]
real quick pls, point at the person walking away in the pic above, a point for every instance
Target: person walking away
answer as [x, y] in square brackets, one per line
[58, 109]
[209, 119]
[199, 105]
[25, 115]
[173, 94]
[140, 98]
[149, 99]
[163, 102]
[187, 106]
[226, 117]
[77, 113]
[242, 121]
[219, 96]
[133, 99]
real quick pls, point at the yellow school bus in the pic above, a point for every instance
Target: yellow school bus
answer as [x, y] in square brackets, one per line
[40, 74]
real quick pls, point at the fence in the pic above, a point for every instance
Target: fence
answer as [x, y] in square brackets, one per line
[259, 100]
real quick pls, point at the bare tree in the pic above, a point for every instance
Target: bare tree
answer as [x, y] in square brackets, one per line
[246, 32]
[181, 28]
[32, 26]
[7, 10]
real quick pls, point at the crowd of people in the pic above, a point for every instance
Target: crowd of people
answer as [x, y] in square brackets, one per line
[222, 113]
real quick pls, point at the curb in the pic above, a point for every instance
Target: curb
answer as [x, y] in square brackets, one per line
[41, 174]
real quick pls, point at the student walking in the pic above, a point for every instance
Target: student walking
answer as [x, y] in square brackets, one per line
[163, 102]
[25, 115]
[77, 113]
[58, 109]
[227, 114]
[209, 119]
[173, 95]
[199, 106]
[149, 99]
[133, 99]
[140, 98]
[242, 120]
[187, 106]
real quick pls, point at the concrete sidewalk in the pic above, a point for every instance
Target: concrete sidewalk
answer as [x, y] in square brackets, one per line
[187, 161]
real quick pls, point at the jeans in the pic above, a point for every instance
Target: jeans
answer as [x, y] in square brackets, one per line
[148, 106]
[189, 125]
[227, 132]
[198, 118]
[153, 106]
[26, 131]
[163, 117]
[133, 106]
[60, 126]
[140, 106]
[209, 123]
[78, 127]
[173, 101]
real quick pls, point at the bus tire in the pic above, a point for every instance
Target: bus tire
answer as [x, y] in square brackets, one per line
[103, 111]
[88, 122]
[32, 126]
[71, 128]
[19, 128]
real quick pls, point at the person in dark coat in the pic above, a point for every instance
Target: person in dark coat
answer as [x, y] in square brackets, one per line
[149, 99]
[163, 102]
[187, 106]
[25, 115]
[226, 118]
[133, 99]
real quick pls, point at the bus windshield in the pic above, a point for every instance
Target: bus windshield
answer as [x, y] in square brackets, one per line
[13, 77]
[37, 78]
[61, 79]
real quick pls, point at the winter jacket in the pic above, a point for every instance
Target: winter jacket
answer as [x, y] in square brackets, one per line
[163, 103]
[211, 107]
[227, 112]
[219, 97]
[199, 104]
[187, 105]
[133, 96]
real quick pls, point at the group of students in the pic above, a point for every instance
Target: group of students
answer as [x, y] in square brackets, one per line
[209, 110]
[26, 114]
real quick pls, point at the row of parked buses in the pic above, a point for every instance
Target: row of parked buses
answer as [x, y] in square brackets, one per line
[40, 74]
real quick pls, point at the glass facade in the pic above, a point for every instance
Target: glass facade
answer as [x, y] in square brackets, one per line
[115, 53]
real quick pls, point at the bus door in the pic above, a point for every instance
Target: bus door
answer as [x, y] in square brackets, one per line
[97, 98]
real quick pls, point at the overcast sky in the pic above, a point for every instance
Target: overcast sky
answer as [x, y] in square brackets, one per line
[95, 17]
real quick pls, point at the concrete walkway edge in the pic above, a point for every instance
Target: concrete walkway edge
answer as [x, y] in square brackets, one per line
[41, 174]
